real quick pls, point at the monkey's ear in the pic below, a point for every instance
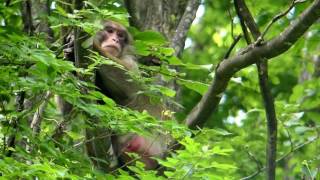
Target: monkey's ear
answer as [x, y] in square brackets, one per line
[87, 43]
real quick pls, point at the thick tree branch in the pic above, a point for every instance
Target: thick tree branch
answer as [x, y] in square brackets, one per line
[262, 65]
[202, 111]
[184, 25]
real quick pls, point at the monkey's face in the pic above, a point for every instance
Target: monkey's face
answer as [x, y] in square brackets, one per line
[113, 39]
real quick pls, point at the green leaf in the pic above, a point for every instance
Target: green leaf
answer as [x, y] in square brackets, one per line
[105, 99]
[141, 48]
[151, 37]
[173, 60]
[167, 51]
[166, 91]
[198, 87]
[207, 67]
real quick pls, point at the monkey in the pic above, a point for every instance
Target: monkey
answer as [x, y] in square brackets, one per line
[114, 42]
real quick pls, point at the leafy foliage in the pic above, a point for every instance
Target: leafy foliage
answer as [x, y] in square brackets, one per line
[230, 147]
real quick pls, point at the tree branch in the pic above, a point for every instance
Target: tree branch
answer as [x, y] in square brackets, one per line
[8, 3]
[184, 25]
[262, 66]
[239, 11]
[37, 117]
[235, 41]
[202, 111]
[279, 16]
[27, 17]
[20, 107]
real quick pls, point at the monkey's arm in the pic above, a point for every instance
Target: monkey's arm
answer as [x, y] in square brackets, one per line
[119, 85]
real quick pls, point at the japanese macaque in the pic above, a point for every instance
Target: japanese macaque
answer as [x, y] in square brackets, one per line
[114, 42]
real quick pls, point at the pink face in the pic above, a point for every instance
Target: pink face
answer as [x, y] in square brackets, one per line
[113, 39]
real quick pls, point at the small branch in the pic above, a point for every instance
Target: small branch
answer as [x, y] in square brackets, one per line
[20, 107]
[235, 41]
[283, 157]
[184, 25]
[37, 117]
[245, 16]
[76, 49]
[251, 156]
[61, 126]
[231, 24]
[8, 3]
[277, 17]
[289, 135]
[242, 22]
[27, 17]
[78, 5]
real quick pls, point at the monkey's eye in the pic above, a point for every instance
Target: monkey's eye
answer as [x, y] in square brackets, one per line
[109, 30]
[121, 35]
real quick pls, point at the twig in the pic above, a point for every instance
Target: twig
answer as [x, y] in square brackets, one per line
[242, 21]
[8, 3]
[27, 18]
[288, 133]
[231, 24]
[61, 126]
[20, 107]
[4, 139]
[235, 41]
[276, 18]
[282, 157]
[251, 156]
[37, 117]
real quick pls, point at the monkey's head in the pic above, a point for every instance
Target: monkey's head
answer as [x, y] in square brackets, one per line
[113, 39]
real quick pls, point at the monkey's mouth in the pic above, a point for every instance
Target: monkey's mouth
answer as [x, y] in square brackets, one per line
[111, 47]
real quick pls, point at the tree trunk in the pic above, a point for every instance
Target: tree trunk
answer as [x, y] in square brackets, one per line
[158, 15]
[171, 18]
